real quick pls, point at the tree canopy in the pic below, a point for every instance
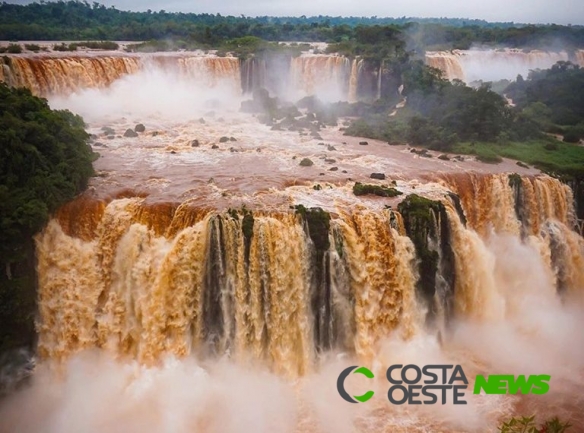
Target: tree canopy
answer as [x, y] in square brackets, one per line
[76, 20]
[553, 97]
[44, 162]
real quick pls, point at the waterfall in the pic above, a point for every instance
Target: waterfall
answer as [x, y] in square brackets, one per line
[143, 281]
[165, 313]
[491, 65]
[330, 77]
[64, 75]
[356, 66]
[580, 57]
[326, 76]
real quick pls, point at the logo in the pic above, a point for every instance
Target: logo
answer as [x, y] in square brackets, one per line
[508, 384]
[414, 391]
[432, 383]
[341, 384]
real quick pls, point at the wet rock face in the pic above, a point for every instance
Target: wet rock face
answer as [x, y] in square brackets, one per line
[426, 224]
[16, 367]
[108, 131]
[130, 133]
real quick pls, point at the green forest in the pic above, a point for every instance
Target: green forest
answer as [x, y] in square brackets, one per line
[453, 117]
[75, 20]
[44, 162]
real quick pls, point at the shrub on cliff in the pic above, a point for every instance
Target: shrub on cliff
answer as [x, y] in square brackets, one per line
[14, 49]
[574, 134]
[381, 191]
[44, 162]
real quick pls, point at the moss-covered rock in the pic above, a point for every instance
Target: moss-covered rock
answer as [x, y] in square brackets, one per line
[577, 185]
[515, 180]
[247, 224]
[381, 191]
[517, 186]
[317, 225]
[426, 224]
[489, 158]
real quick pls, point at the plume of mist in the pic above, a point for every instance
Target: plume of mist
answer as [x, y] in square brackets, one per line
[153, 92]
[98, 394]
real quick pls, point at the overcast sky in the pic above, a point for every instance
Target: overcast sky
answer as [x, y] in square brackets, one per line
[525, 11]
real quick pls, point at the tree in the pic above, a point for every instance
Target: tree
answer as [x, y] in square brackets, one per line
[44, 162]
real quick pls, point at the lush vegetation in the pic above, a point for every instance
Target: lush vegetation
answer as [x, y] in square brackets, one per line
[373, 42]
[381, 191]
[528, 425]
[437, 36]
[94, 45]
[545, 153]
[75, 20]
[553, 98]
[441, 113]
[451, 116]
[243, 47]
[44, 162]
[11, 49]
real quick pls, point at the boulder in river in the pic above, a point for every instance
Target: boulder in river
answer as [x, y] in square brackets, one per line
[130, 133]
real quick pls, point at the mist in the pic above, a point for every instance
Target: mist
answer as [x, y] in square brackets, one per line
[197, 85]
[155, 93]
[533, 333]
[482, 64]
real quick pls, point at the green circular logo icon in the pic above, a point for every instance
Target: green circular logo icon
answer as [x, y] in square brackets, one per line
[341, 384]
